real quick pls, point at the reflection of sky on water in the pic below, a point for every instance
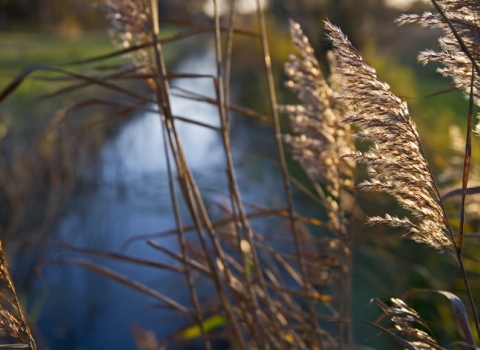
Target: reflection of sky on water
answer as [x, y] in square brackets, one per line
[242, 6]
[85, 311]
[400, 4]
[132, 198]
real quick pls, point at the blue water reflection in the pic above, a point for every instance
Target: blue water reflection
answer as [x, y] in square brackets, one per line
[85, 311]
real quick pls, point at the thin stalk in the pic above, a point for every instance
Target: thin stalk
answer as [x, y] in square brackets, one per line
[198, 314]
[194, 203]
[228, 59]
[285, 177]
[466, 164]
[468, 154]
[183, 247]
[186, 183]
[219, 223]
[341, 287]
[195, 265]
[235, 198]
[467, 160]
[452, 238]
[348, 297]
[470, 295]
[225, 129]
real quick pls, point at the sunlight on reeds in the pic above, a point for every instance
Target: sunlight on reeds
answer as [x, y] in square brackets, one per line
[270, 296]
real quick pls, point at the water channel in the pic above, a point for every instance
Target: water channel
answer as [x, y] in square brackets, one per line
[80, 310]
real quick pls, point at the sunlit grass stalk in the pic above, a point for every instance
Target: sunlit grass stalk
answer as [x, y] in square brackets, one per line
[318, 141]
[459, 56]
[468, 153]
[285, 177]
[235, 200]
[198, 314]
[189, 189]
[228, 54]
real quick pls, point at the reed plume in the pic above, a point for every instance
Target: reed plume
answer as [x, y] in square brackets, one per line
[405, 319]
[320, 139]
[130, 25]
[318, 142]
[12, 321]
[395, 160]
[459, 20]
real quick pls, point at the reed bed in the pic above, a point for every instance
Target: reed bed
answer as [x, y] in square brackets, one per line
[296, 297]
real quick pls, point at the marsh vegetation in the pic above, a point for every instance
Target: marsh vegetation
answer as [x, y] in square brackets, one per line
[250, 194]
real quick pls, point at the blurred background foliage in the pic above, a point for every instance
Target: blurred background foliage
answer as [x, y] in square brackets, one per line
[57, 31]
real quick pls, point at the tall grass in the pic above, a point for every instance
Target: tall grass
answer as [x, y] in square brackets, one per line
[298, 296]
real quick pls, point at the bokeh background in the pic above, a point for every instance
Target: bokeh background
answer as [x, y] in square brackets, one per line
[95, 182]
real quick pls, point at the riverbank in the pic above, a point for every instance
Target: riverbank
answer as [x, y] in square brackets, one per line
[46, 156]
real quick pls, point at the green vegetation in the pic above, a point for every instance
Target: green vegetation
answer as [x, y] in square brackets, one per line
[251, 300]
[20, 50]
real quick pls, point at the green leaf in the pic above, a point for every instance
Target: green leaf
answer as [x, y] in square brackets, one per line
[209, 324]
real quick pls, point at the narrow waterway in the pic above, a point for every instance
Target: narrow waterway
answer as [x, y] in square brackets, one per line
[80, 310]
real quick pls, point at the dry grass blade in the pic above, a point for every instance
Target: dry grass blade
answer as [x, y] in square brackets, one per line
[121, 257]
[63, 114]
[123, 73]
[461, 316]
[194, 24]
[189, 259]
[315, 328]
[119, 115]
[459, 191]
[14, 346]
[13, 85]
[234, 108]
[262, 212]
[133, 48]
[405, 344]
[106, 56]
[122, 279]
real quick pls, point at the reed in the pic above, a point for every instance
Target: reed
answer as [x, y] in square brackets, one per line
[13, 324]
[260, 309]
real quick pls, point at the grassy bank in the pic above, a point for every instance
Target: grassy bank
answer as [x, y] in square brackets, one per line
[21, 112]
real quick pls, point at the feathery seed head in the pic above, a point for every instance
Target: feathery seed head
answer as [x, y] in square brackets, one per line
[12, 321]
[403, 316]
[320, 137]
[464, 16]
[129, 24]
[396, 163]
